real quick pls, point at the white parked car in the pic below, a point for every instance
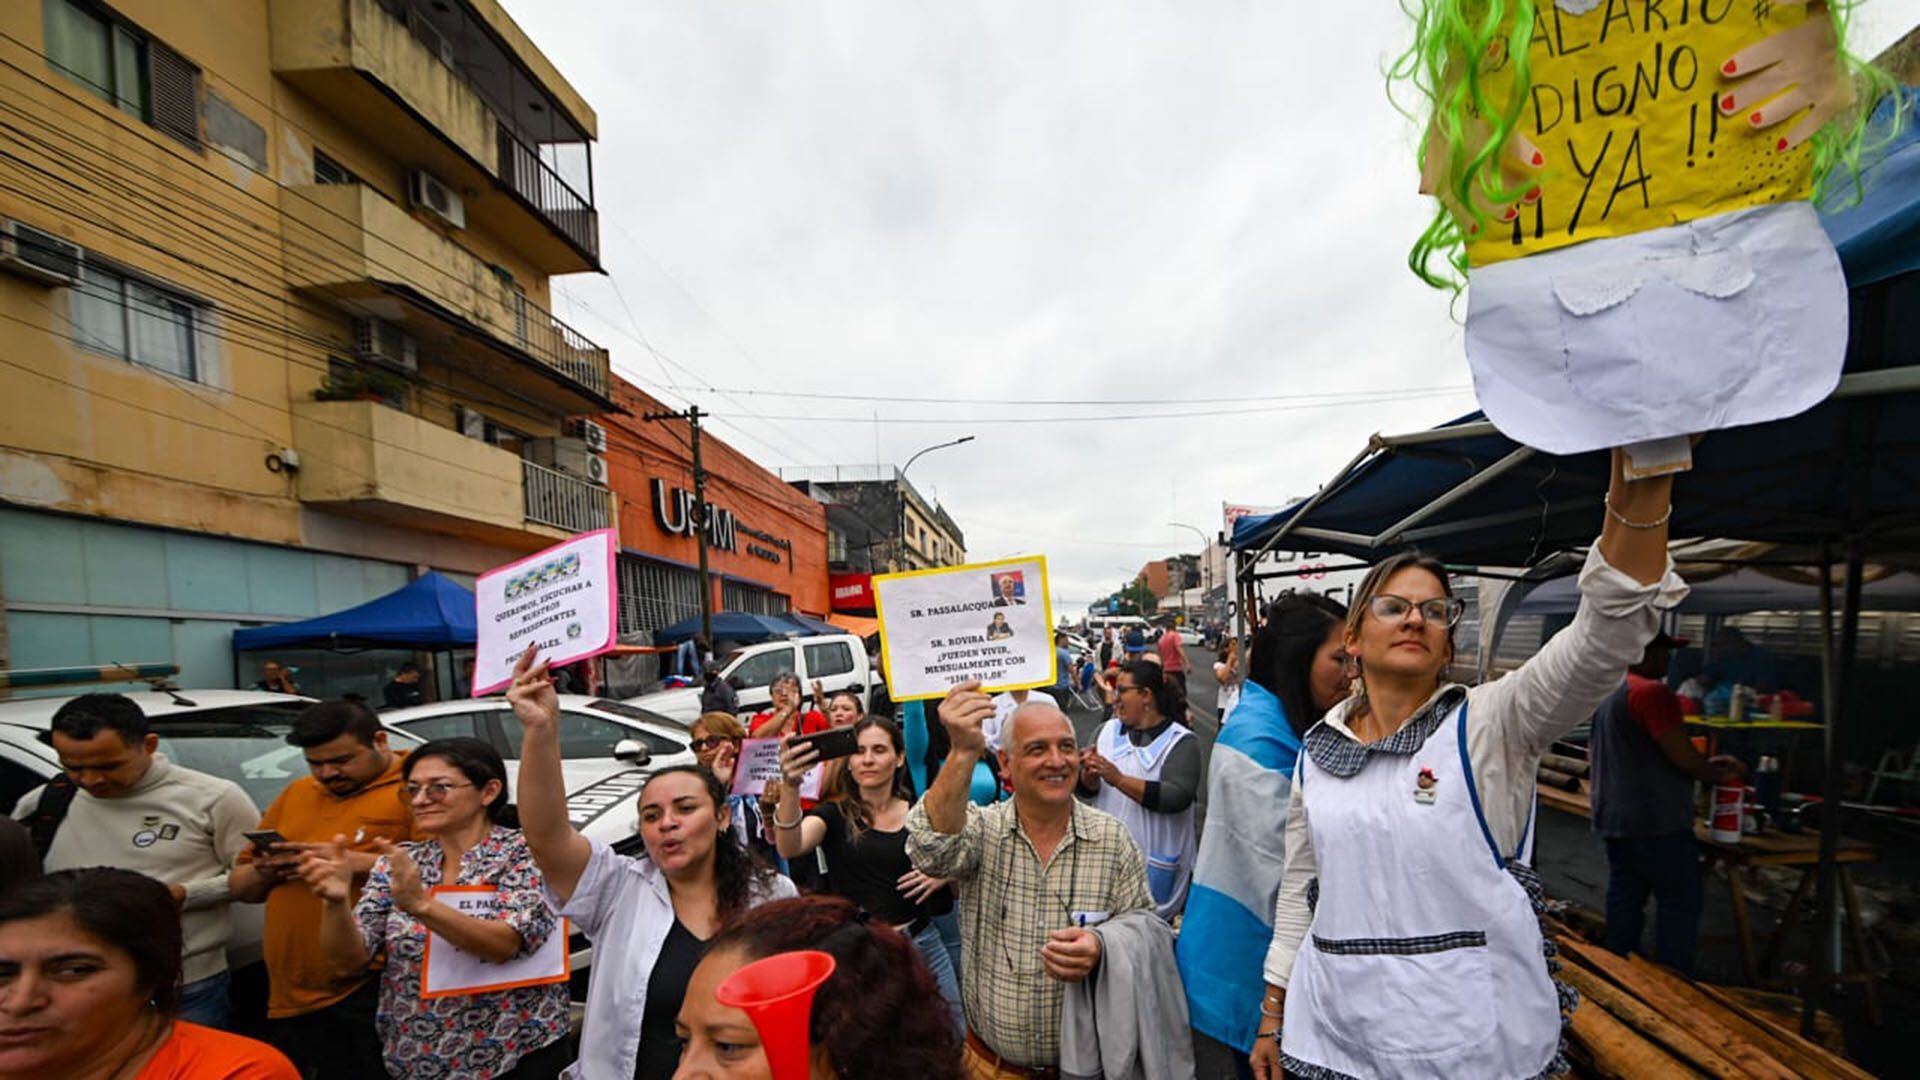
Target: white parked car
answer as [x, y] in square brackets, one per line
[836, 661]
[239, 735]
[598, 736]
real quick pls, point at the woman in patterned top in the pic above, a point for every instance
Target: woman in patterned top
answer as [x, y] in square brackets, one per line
[458, 791]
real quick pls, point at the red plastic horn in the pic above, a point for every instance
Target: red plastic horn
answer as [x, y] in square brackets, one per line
[777, 995]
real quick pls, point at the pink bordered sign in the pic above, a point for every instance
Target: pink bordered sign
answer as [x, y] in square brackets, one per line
[563, 600]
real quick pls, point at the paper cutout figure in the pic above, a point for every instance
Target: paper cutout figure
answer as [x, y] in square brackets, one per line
[1630, 209]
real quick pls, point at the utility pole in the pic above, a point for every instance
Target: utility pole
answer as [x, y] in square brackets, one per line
[697, 514]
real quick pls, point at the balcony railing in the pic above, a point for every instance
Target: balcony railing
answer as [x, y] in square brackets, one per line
[562, 501]
[562, 348]
[551, 197]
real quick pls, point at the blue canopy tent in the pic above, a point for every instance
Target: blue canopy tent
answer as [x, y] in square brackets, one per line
[431, 612]
[1841, 480]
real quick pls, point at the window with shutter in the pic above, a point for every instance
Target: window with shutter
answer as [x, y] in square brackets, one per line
[173, 94]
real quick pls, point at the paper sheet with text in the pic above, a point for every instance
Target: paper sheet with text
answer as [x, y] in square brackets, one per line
[988, 621]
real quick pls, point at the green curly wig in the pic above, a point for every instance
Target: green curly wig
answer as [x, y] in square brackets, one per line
[1445, 70]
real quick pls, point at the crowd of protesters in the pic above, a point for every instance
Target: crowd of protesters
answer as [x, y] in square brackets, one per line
[971, 868]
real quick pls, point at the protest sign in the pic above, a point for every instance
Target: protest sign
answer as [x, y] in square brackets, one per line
[560, 600]
[449, 970]
[988, 621]
[1625, 106]
[760, 762]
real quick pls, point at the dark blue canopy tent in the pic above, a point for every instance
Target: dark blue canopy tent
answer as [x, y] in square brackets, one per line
[1842, 479]
[430, 613]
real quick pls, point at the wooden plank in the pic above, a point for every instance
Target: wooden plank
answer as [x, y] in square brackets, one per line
[1563, 781]
[1651, 986]
[1782, 1042]
[1642, 1017]
[1572, 766]
[1620, 1054]
[1572, 802]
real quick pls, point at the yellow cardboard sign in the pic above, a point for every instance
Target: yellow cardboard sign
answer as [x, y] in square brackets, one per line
[1624, 107]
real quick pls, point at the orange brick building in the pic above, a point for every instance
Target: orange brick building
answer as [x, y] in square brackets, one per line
[767, 543]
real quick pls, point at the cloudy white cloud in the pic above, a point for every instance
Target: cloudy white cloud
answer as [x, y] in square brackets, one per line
[1020, 200]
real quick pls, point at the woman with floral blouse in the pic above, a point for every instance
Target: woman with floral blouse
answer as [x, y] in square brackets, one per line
[457, 789]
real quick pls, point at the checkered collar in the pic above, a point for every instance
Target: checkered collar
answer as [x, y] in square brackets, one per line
[1333, 747]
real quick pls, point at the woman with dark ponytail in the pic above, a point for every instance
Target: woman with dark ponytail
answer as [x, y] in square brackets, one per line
[649, 917]
[1144, 768]
[1297, 669]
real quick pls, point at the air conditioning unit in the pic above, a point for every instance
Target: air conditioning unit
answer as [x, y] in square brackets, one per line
[472, 424]
[590, 433]
[381, 342]
[36, 254]
[596, 469]
[428, 193]
[568, 455]
[429, 35]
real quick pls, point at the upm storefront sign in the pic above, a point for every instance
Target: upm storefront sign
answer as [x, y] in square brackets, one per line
[561, 601]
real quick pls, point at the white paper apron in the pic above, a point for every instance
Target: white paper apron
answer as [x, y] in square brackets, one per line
[1424, 957]
[1167, 840]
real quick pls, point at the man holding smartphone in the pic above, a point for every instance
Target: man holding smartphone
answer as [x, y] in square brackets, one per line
[324, 1023]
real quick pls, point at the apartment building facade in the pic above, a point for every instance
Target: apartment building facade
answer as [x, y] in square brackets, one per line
[275, 328]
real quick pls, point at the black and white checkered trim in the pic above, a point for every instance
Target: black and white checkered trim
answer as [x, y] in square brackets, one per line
[1406, 946]
[1343, 755]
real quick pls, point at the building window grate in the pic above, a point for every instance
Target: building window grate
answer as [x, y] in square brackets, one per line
[655, 595]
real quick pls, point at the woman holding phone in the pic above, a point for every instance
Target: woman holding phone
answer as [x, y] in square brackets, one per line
[862, 828]
[458, 791]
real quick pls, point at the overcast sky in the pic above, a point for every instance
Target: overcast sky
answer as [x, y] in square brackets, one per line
[1021, 201]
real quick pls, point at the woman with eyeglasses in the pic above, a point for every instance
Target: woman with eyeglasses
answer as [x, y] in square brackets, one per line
[458, 791]
[1144, 768]
[1405, 939]
[717, 738]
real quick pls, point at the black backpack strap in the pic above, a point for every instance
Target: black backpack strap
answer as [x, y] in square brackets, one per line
[50, 811]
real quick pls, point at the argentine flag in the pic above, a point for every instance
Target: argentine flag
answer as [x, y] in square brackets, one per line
[1229, 917]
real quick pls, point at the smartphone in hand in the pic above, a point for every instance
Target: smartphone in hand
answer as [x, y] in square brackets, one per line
[832, 743]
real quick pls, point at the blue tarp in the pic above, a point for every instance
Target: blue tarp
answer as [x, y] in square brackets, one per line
[431, 612]
[746, 628]
[1879, 235]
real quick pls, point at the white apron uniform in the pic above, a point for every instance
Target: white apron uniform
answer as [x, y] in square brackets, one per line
[1167, 840]
[1424, 958]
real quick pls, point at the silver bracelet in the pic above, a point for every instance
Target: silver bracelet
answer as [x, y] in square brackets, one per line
[1616, 515]
[794, 824]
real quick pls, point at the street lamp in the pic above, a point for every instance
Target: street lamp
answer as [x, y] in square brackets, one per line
[902, 492]
[1206, 567]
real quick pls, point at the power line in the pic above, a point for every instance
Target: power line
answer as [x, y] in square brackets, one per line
[1114, 417]
[1002, 402]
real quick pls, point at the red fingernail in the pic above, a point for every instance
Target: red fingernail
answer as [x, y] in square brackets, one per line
[1473, 229]
[1512, 212]
[1755, 118]
[1727, 68]
[1781, 145]
[1539, 158]
[1533, 194]
[1726, 103]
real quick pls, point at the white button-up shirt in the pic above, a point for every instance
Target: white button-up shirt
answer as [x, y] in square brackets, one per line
[623, 906]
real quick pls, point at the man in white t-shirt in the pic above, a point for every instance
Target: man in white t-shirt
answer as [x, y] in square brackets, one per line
[136, 810]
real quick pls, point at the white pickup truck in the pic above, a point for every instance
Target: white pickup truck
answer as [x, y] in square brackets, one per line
[837, 661]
